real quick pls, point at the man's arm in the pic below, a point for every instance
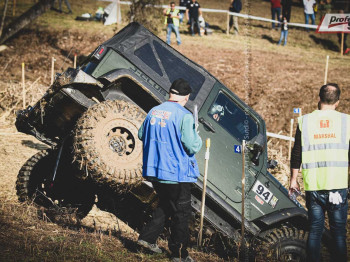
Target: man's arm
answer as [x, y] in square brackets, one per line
[140, 133]
[200, 11]
[188, 18]
[190, 139]
[295, 162]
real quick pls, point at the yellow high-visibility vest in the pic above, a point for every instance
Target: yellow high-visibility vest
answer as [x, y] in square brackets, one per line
[325, 145]
[176, 21]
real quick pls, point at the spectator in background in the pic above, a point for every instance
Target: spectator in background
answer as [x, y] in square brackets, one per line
[60, 6]
[346, 50]
[324, 7]
[183, 3]
[284, 32]
[236, 7]
[193, 12]
[275, 10]
[172, 16]
[286, 9]
[309, 11]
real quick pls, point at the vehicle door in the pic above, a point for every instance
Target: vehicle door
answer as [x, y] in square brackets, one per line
[226, 120]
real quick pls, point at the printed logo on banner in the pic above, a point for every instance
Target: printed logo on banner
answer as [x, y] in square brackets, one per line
[334, 23]
[238, 149]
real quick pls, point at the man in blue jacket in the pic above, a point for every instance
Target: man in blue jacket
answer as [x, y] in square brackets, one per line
[170, 141]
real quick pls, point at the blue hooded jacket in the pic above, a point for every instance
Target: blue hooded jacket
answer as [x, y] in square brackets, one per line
[164, 156]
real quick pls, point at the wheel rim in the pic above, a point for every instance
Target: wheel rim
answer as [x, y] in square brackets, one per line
[118, 135]
[121, 141]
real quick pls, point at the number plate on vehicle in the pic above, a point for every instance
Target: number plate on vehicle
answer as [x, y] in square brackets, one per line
[262, 191]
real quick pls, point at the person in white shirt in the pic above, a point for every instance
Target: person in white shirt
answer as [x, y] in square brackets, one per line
[309, 11]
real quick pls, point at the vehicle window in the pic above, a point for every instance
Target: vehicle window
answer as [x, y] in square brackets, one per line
[145, 53]
[232, 118]
[176, 68]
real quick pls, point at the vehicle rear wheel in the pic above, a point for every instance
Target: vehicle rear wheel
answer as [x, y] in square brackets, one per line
[66, 199]
[106, 144]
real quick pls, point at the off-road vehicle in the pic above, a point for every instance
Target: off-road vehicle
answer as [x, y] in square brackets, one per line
[90, 117]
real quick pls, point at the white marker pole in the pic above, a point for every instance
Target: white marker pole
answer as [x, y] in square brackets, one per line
[207, 145]
[75, 61]
[228, 24]
[243, 188]
[23, 87]
[326, 71]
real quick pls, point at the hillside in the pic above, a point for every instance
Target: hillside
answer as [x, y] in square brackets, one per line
[272, 79]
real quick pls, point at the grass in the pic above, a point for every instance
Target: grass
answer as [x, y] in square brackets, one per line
[25, 238]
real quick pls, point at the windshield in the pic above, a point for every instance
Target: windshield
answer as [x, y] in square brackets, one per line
[232, 118]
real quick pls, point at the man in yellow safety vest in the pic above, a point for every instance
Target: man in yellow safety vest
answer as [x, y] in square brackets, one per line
[322, 149]
[172, 16]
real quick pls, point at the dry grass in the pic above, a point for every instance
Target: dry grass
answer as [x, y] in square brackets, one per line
[281, 77]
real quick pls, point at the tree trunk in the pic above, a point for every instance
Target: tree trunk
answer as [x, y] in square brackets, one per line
[25, 19]
[3, 17]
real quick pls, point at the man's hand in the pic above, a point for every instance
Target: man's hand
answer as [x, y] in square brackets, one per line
[294, 185]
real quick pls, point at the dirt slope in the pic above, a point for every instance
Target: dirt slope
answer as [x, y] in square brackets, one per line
[280, 78]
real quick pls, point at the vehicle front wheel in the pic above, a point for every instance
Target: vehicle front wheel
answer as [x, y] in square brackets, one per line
[65, 199]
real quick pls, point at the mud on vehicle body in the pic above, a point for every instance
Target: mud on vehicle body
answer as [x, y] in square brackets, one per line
[92, 114]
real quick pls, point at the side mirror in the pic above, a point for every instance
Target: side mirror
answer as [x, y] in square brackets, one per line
[256, 148]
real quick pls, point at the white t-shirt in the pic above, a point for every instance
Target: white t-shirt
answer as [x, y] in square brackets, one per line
[308, 6]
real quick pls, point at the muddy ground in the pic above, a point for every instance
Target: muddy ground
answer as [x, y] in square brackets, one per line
[273, 80]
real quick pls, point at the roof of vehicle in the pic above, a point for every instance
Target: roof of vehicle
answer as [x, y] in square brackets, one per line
[160, 62]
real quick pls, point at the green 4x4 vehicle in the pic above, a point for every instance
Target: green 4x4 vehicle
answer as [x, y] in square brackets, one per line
[90, 117]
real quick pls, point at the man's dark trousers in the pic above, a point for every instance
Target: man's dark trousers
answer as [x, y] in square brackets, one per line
[317, 203]
[174, 203]
[192, 23]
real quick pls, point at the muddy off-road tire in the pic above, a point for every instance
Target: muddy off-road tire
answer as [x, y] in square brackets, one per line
[67, 198]
[282, 244]
[286, 243]
[106, 145]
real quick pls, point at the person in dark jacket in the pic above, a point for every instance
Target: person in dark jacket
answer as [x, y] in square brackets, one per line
[193, 12]
[236, 7]
[183, 3]
[286, 9]
[170, 141]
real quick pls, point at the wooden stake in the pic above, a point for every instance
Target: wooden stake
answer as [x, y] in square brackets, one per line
[243, 189]
[75, 61]
[23, 88]
[52, 69]
[290, 138]
[342, 44]
[228, 23]
[326, 71]
[207, 145]
[14, 8]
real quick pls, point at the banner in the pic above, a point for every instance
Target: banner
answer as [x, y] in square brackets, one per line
[334, 23]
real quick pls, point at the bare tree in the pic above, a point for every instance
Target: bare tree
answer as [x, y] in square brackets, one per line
[3, 17]
[145, 12]
[25, 19]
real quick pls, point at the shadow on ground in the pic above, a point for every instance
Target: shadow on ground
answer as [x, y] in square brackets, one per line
[327, 44]
[270, 39]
